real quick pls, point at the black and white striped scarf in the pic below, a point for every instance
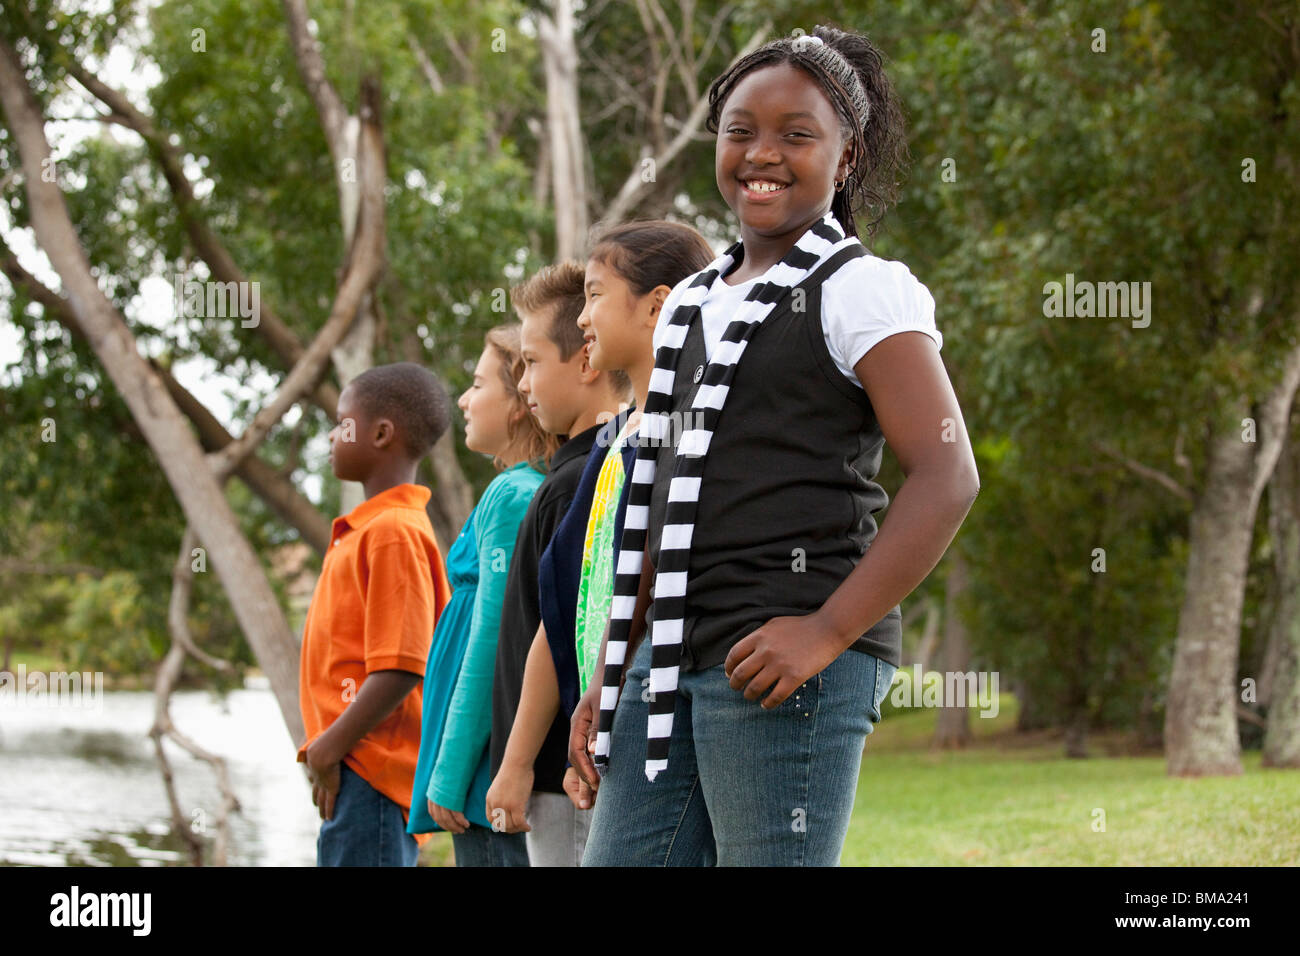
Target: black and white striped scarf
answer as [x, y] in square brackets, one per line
[814, 247]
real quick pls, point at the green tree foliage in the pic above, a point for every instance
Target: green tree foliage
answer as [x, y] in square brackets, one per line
[461, 227]
[1040, 152]
[1037, 153]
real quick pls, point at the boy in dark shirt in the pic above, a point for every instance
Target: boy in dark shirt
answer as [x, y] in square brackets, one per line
[568, 397]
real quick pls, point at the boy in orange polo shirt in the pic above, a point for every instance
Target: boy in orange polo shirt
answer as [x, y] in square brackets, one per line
[366, 640]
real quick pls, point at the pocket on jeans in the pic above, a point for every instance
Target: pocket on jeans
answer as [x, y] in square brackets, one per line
[884, 681]
[803, 699]
[637, 674]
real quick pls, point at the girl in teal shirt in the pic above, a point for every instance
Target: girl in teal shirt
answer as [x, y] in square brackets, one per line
[451, 775]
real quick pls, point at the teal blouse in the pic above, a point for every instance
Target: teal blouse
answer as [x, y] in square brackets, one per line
[452, 769]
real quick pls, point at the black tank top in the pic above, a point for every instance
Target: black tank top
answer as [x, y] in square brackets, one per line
[788, 496]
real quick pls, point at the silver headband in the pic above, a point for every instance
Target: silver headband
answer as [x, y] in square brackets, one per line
[826, 56]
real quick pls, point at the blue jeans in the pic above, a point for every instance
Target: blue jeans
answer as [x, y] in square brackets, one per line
[483, 846]
[366, 829]
[744, 786]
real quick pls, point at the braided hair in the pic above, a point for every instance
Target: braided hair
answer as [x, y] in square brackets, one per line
[850, 70]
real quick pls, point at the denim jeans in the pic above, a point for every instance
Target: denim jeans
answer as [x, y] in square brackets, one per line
[366, 829]
[483, 846]
[744, 786]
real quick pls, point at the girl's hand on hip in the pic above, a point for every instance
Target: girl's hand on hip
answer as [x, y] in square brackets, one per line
[781, 655]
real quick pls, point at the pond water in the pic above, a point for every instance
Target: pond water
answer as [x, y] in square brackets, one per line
[81, 787]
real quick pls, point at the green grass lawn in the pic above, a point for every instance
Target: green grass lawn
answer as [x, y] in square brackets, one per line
[438, 851]
[1014, 800]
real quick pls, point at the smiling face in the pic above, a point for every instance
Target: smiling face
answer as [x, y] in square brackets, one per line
[780, 150]
[488, 407]
[615, 318]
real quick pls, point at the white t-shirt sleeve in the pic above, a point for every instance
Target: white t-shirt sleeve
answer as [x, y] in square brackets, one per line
[868, 300]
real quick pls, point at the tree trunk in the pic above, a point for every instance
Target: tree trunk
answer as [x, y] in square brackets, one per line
[1024, 708]
[1201, 712]
[952, 731]
[169, 154]
[929, 635]
[273, 487]
[567, 149]
[1076, 716]
[1279, 685]
[350, 358]
[355, 352]
[164, 427]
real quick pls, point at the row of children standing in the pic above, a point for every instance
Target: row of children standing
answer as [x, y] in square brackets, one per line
[540, 697]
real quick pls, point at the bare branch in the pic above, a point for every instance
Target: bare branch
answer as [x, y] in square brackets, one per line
[690, 81]
[1250, 716]
[168, 675]
[628, 97]
[276, 490]
[715, 29]
[1274, 416]
[306, 52]
[209, 248]
[1159, 477]
[688, 39]
[457, 51]
[162, 424]
[19, 566]
[426, 65]
[1180, 456]
[361, 271]
[293, 456]
[271, 485]
[178, 610]
[660, 70]
[634, 187]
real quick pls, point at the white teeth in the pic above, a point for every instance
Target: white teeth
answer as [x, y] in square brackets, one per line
[762, 187]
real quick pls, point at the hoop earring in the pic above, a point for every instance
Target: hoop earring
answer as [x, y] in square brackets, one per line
[839, 184]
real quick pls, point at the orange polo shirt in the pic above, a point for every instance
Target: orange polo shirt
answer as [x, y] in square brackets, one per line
[382, 587]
